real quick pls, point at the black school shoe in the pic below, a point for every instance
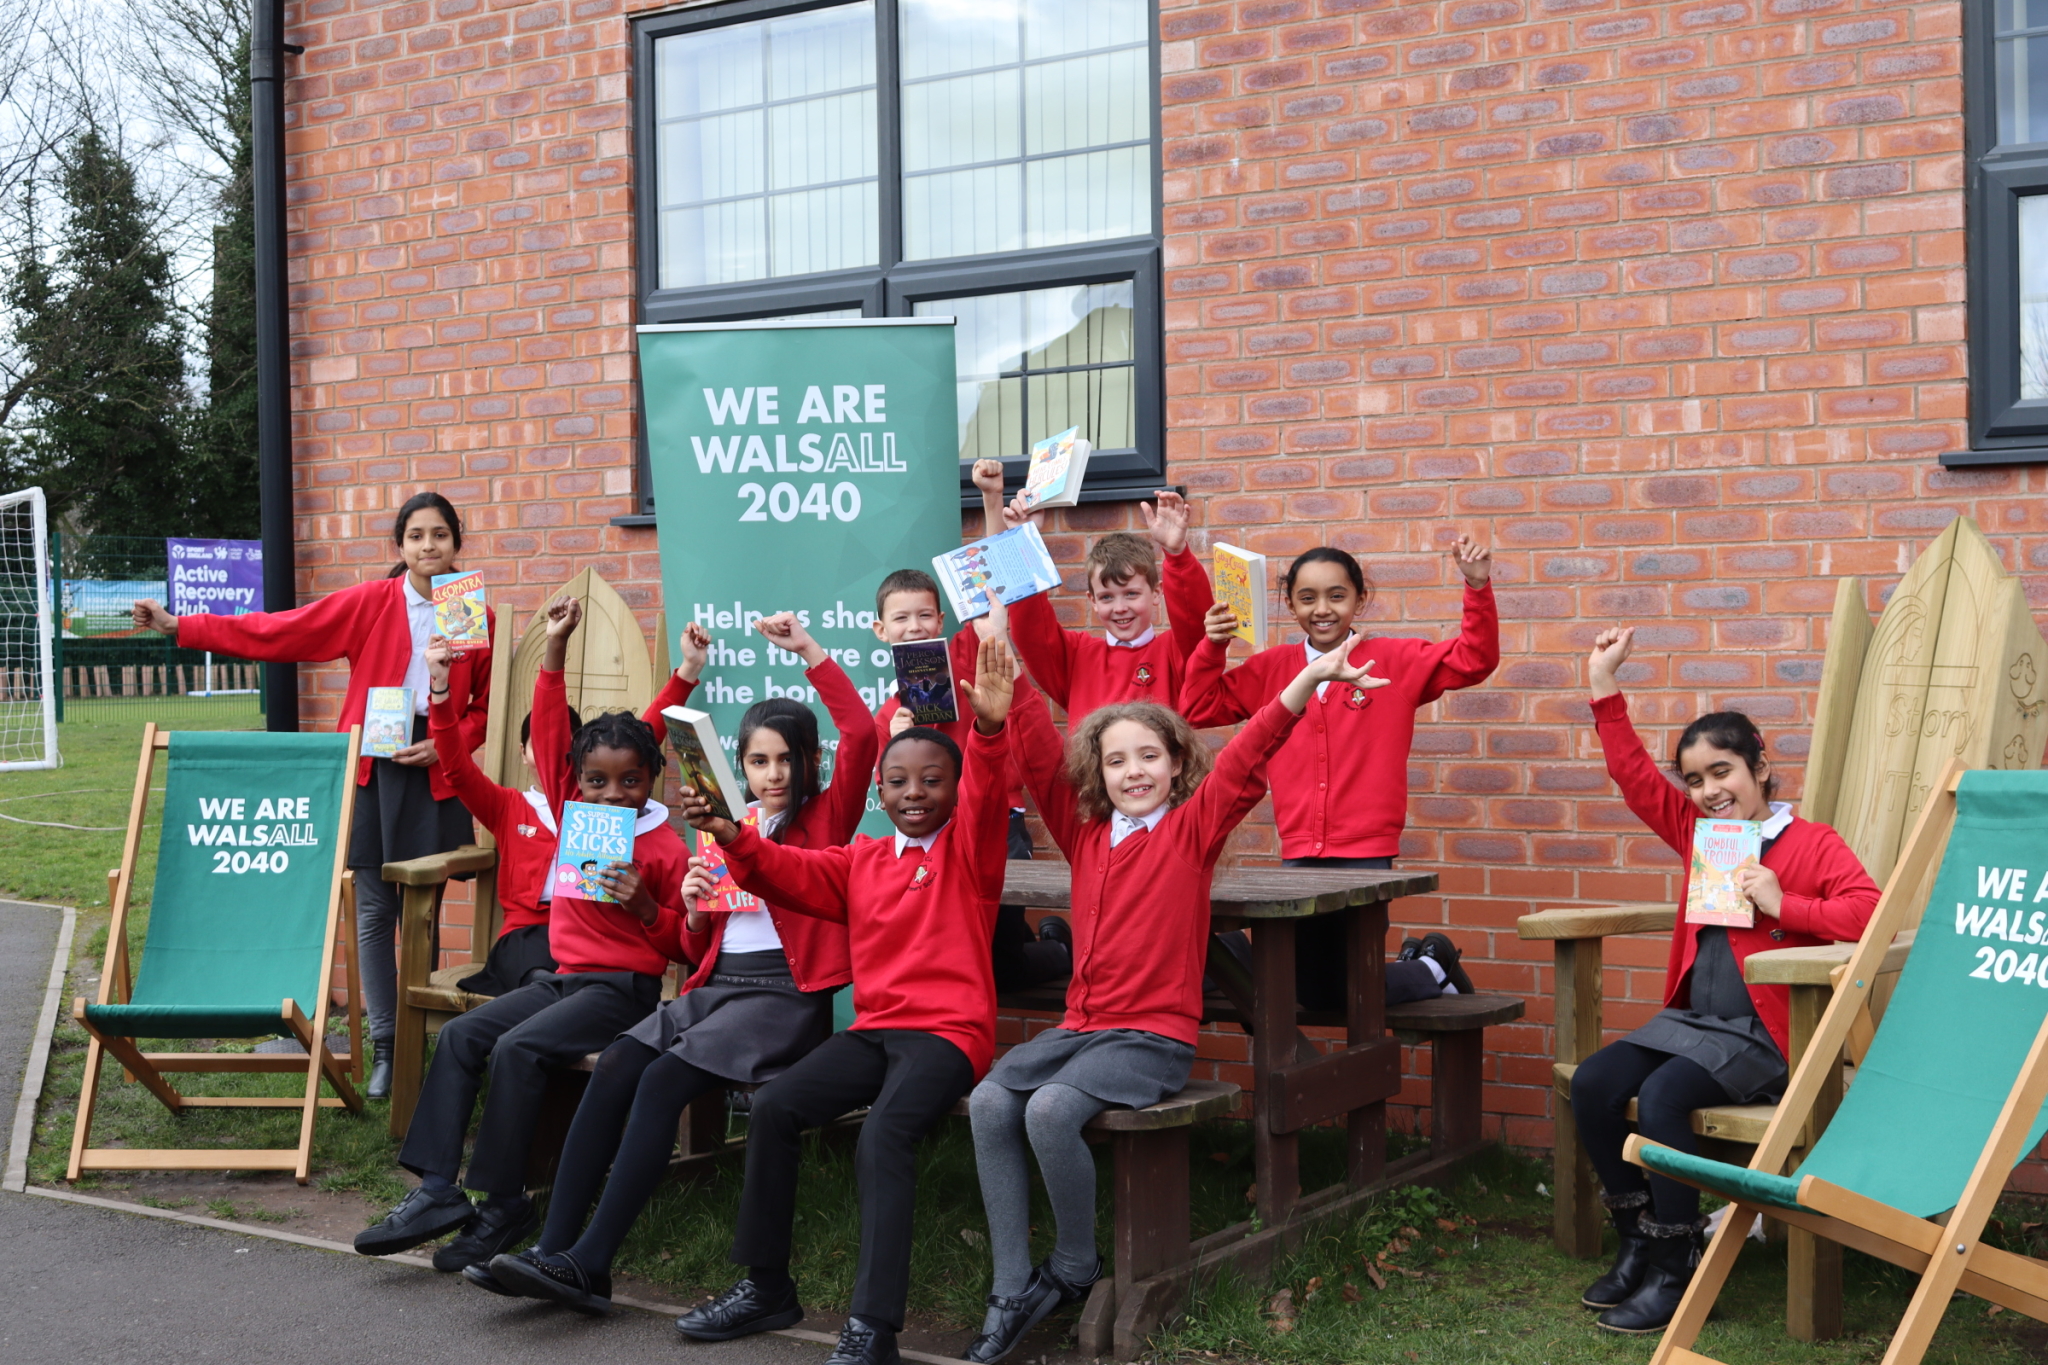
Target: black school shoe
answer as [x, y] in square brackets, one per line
[556, 1276]
[864, 1343]
[499, 1226]
[420, 1217]
[1445, 954]
[482, 1278]
[742, 1311]
[1053, 929]
[1011, 1316]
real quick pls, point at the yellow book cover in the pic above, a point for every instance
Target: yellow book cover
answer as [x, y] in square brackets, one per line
[1239, 580]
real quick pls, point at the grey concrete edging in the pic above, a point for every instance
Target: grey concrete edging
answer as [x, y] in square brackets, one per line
[16, 1177]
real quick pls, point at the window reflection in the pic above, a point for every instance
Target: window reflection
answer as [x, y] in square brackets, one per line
[2022, 78]
[2033, 214]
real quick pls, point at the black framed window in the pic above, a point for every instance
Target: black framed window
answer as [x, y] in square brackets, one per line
[996, 162]
[2005, 81]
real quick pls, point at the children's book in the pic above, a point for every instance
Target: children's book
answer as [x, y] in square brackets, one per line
[1239, 578]
[1058, 464]
[727, 897]
[924, 682]
[1009, 567]
[459, 610]
[387, 721]
[702, 757]
[593, 838]
[1720, 850]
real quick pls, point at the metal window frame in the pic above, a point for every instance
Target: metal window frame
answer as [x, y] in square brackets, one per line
[2004, 429]
[891, 288]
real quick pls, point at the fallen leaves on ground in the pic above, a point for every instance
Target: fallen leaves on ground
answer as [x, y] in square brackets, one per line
[1281, 1309]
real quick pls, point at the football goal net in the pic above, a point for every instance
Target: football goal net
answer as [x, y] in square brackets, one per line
[28, 699]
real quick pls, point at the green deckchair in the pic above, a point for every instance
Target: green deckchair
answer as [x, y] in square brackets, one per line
[1948, 1098]
[251, 888]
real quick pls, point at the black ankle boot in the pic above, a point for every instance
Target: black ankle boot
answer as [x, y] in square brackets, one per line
[379, 1086]
[1671, 1250]
[1625, 1276]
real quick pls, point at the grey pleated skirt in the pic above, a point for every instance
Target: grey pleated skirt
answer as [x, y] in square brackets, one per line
[1739, 1053]
[747, 1022]
[1117, 1066]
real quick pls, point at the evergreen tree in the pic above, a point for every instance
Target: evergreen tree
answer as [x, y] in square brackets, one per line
[221, 471]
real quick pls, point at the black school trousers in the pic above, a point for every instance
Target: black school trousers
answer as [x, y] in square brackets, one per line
[551, 1022]
[910, 1080]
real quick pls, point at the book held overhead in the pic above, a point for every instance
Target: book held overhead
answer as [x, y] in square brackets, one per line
[1058, 464]
[1239, 581]
[697, 749]
[1008, 567]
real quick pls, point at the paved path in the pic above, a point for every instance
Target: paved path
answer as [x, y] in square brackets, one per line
[28, 935]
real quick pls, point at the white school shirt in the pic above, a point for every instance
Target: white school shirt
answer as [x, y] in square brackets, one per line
[419, 618]
[904, 841]
[1122, 827]
[1138, 642]
[753, 931]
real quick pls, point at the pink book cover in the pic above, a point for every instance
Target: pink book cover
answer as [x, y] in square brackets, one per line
[1720, 850]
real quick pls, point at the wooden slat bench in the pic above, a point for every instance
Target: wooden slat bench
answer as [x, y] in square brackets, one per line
[1455, 1028]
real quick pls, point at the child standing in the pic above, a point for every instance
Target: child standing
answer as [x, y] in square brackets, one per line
[405, 807]
[1131, 809]
[917, 909]
[1718, 1040]
[1340, 784]
[610, 960]
[760, 998]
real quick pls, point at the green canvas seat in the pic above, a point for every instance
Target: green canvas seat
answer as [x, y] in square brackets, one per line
[1949, 1097]
[251, 894]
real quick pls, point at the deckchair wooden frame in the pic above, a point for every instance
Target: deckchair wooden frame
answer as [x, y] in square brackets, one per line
[150, 1068]
[1948, 1256]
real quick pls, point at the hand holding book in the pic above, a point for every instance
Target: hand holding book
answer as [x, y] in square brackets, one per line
[1760, 884]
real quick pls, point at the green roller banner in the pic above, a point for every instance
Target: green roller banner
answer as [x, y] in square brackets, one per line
[795, 465]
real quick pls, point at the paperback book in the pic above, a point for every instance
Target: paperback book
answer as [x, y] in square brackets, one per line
[702, 759]
[727, 896]
[387, 721]
[1058, 464]
[1239, 580]
[924, 682]
[459, 610]
[593, 838]
[1008, 567]
[1720, 850]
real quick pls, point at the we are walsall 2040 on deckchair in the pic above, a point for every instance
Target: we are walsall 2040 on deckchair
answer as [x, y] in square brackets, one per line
[1947, 1099]
[251, 889]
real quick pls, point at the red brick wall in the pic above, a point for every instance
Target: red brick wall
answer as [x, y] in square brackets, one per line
[1663, 300]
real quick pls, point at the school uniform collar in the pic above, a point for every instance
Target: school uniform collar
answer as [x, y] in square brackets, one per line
[413, 600]
[652, 816]
[1122, 826]
[904, 841]
[1781, 816]
[537, 799]
[1139, 643]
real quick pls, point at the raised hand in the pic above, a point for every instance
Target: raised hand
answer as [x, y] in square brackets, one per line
[1220, 623]
[440, 656]
[151, 616]
[1166, 521]
[1611, 649]
[994, 685]
[695, 647]
[1332, 667]
[995, 623]
[1474, 560]
[563, 617]
[783, 631]
[988, 476]
[1016, 514]
[699, 884]
[695, 808]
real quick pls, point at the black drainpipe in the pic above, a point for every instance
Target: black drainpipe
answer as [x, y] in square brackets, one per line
[273, 357]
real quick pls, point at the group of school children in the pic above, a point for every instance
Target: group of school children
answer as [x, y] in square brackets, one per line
[1132, 798]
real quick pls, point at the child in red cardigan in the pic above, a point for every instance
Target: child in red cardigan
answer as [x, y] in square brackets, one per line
[1340, 784]
[759, 1000]
[1132, 810]
[405, 807]
[917, 909]
[1717, 1040]
[610, 956]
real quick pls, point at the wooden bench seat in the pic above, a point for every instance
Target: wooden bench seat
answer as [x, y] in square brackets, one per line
[1455, 1027]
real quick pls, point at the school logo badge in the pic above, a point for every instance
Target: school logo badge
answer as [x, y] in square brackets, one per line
[528, 831]
[1357, 700]
[1144, 675]
[921, 878]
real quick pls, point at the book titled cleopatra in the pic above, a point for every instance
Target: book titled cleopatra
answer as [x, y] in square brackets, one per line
[1720, 850]
[593, 838]
[1239, 579]
[1058, 464]
[726, 897]
[702, 759]
[459, 610]
[1007, 567]
[924, 682]
[387, 721]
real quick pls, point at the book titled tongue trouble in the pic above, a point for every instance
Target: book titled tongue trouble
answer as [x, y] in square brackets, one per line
[1720, 850]
[593, 838]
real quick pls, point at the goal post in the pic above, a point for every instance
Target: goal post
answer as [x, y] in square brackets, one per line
[28, 692]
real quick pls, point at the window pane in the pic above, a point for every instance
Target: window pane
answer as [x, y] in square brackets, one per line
[2034, 296]
[1033, 363]
[1049, 78]
[2022, 71]
[751, 109]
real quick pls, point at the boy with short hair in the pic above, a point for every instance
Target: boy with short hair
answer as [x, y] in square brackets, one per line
[1130, 661]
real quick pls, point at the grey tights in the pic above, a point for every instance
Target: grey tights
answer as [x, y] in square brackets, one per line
[1051, 1117]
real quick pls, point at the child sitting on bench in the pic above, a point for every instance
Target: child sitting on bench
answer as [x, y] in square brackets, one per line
[610, 960]
[1131, 809]
[918, 908]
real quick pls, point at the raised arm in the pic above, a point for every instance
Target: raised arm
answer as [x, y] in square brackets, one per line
[485, 799]
[1210, 694]
[1039, 753]
[1472, 657]
[808, 881]
[474, 668]
[681, 684]
[845, 798]
[1043, 646]
[1188, 592]
[984, 809]
[550, 728]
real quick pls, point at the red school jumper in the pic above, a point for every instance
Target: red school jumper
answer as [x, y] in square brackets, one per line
[816, 948]
[367, 626]
[1340, 783]
[918, 925]
[1083, 672]
[1141, 909]
[1828, 895]
[963, 652]
[596, 936]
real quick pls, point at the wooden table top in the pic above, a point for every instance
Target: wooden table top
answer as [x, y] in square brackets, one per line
[1242, 892]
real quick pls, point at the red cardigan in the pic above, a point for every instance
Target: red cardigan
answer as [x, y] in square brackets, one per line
[918, 926]
[1828, 895]
[526, 843]
[1141, 909]
[1083, 672]
[816, 948]
[962, 654]
[1340, 785]
[366, 625]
